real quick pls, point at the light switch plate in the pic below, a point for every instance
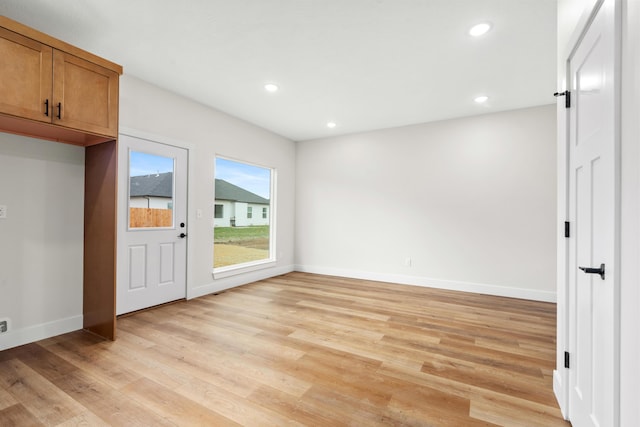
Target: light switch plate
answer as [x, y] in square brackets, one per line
[3, 211]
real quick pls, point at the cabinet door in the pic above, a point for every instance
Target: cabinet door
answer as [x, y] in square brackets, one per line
[85, 95]
[25, 77]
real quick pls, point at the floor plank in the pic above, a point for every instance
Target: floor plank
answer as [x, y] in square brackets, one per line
[298, 349]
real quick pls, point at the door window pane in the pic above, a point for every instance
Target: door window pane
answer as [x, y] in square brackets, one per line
[240, 237]
[150, 190]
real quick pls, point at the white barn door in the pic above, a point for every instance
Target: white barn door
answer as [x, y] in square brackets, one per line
[152, 246]
[593, 208]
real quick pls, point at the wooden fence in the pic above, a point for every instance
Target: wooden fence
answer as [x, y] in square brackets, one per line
[145, 217]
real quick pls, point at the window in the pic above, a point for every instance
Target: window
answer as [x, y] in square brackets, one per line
[219, 211]
[242, 239]
[150, 190]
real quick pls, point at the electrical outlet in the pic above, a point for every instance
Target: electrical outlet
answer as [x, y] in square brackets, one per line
[3, 211]
[4, 326]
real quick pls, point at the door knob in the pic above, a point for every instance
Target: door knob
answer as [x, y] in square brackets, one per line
[182, 235]
[590, 270]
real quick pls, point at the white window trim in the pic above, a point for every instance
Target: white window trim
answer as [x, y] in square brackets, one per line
[247, 267]
[271, 262]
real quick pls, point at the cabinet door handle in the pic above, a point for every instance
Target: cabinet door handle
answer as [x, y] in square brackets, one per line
[59, 110]
[46, 107]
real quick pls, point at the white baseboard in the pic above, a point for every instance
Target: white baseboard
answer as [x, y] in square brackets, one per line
[18, 337]
[237, 280]
[478, 288]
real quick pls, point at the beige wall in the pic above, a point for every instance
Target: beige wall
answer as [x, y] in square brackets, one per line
[41, 240]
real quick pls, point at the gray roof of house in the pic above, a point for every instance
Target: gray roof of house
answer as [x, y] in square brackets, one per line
[227, 191]
[156, 185]
[161, 185]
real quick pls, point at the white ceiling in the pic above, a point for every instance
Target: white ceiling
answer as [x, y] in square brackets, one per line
[365, 64]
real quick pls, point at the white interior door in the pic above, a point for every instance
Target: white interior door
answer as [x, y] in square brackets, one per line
[593, 205]
[152, 247]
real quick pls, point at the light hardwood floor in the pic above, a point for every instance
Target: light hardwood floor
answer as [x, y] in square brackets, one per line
[298, 349]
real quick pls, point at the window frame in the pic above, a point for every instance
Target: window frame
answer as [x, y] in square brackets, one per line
[271, 260]
[215, 210]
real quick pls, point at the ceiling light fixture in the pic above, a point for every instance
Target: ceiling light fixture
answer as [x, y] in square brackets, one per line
[271, 87]
[331, 125]
[481, 99]
[480, 29]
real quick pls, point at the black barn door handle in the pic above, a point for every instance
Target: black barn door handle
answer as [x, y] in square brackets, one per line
[590, 270]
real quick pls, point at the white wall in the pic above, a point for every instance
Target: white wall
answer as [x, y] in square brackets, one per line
[471, 201]
[41, 240]
[159, 113]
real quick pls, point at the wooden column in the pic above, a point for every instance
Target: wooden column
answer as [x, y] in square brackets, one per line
[100, 203]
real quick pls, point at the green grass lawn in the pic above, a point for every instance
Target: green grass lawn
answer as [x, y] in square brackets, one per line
[239, 234]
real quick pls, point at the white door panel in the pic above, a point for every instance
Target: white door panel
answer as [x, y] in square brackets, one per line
[152, 243]
[592, 210]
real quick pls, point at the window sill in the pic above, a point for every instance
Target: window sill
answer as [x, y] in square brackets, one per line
[234, 270]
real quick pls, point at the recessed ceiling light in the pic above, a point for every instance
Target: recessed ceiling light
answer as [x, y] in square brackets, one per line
[480, 29]
[481, 99]
[270, 87]
[331, 124]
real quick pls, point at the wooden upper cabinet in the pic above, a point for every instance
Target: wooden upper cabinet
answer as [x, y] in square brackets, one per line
[26, 69]
[53, 90]
[85, 95]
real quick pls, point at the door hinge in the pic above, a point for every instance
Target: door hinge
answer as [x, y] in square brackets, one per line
[566, 359]
[567, 229]
[567, 99]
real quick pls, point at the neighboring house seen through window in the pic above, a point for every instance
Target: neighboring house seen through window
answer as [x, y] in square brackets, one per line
[242, 239]
[150, 190]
